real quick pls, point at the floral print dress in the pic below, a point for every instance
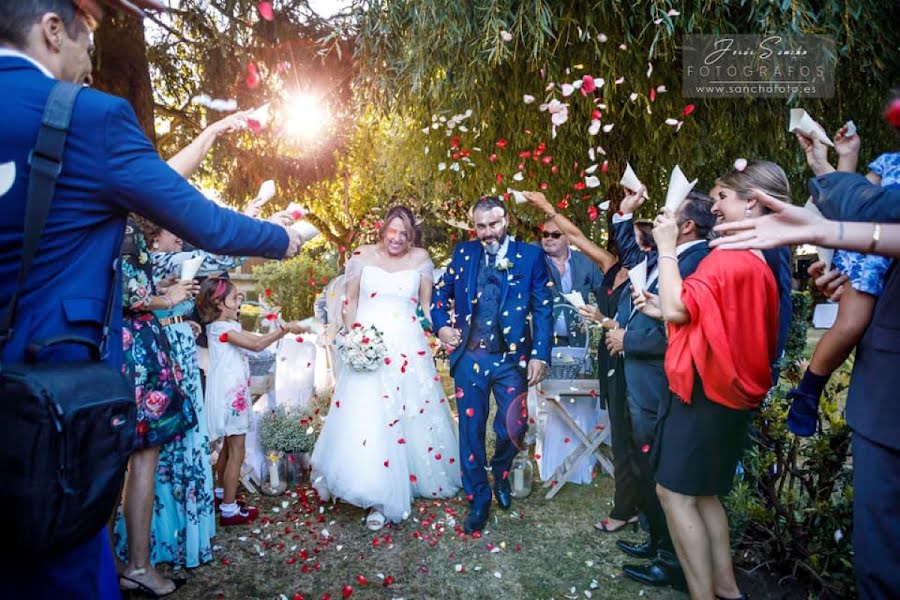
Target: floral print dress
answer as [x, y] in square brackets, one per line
[184, 515]
[228, 386]
[162, 413]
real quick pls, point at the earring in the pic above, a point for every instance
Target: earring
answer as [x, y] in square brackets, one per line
[748, 212]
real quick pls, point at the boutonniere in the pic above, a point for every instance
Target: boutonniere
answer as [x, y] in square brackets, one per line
[504, 264]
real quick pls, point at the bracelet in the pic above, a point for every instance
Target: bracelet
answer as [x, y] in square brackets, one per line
[168, 300]
[876, 237]
[669, 256]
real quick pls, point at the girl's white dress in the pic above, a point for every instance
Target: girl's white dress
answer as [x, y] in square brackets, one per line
[228, 401]
[389, 435]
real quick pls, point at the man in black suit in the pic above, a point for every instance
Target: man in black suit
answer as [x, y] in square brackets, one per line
[642, 342]
[873, 411]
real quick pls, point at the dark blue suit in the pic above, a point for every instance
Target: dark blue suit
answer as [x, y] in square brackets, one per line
[525, 333]
[873, 403]
[109, 169]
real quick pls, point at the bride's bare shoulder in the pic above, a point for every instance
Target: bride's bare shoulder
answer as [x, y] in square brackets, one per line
[419, 255]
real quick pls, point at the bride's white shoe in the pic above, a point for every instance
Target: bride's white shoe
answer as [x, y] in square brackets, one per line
[374, 520]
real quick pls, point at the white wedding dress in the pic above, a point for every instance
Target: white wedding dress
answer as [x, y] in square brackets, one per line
[389, 435]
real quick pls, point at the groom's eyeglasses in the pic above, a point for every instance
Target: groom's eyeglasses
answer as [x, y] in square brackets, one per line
[551, 234]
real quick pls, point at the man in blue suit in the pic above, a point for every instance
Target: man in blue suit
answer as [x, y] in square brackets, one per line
[642, 342]
[493, 308]
[109, 168]
[872, 407]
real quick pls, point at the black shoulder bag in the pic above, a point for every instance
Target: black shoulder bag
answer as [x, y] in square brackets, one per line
[66, 428]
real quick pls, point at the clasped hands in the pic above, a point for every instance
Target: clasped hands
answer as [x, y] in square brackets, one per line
[451, 338]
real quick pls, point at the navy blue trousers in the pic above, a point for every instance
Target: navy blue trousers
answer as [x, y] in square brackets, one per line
[477, 374]
[86, 572]
[876, 519]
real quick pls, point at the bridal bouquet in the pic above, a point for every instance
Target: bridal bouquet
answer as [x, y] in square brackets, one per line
[362, 347]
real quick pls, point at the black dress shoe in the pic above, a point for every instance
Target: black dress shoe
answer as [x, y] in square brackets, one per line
[646, 549]
[476, 520]
[657, 573]
[503, 494]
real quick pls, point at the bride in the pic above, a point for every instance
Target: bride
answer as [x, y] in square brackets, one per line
[389, 434]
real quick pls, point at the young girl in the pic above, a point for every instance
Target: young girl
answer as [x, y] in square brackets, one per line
[228, 388]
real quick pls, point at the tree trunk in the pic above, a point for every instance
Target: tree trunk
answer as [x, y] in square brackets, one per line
[121, 67]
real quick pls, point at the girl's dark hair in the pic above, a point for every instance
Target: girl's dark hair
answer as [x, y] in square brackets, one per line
[212, 294]
[409, 220]
[150, 229]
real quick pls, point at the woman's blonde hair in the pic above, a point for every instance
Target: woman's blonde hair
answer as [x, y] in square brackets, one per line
[760, 175]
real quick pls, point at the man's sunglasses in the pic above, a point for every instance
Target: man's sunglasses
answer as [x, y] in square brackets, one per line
[554, 234]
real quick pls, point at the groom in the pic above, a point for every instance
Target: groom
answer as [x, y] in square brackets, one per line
[493, 309]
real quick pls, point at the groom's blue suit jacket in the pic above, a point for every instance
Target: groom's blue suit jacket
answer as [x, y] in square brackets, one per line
[524, 298]
[109, 169]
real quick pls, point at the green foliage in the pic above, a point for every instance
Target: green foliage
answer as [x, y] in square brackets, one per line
[250, 314]
[287, 431]
[793, 506]
[294, 284]
[430, 60]
[795, 345]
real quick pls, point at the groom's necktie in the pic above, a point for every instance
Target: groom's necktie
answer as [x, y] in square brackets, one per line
[492, 260]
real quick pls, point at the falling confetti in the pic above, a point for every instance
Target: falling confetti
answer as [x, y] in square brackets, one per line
[265, 11]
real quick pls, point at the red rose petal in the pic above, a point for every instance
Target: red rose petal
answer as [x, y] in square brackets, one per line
[346, 591]
[645, 448]
[412, 478]
[387, 360]
[265, 11]
[361, 580]
[470, 412]
[387, 464]
[223, 338]
[688, 110]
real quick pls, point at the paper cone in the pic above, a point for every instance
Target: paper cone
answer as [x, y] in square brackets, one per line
[190, 267]
[306, 230]
[266, 191]
[851, 128]
[826, 255]
[638, 276]
[518, 196]
[679, 188]
[574, 298]
[260, 115]
[801, 122]
[293, 207]
[629, 180]
[7, 176]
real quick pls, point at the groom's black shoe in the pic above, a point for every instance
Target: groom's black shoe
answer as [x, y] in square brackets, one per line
[645, 549]
[476, 519]
[502, 493]
[665, 570]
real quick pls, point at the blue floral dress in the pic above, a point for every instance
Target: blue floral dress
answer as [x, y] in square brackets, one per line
[184, 518]
[866, 271]
[162, 412]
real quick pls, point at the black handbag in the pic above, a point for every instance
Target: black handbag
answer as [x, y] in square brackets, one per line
[66, 428]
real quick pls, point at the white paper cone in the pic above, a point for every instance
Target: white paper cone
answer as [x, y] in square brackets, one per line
[260, 115]
[306, 230]
[293, 207]
[7, 176]
[630, 180]
[266, 191]
[800, 121]
[638, 276]
[574, 298]
[679, 188]
[190, 267]
[826, 255]
[518, 196]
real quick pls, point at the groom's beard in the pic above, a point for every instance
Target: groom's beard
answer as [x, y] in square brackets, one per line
[493, 246]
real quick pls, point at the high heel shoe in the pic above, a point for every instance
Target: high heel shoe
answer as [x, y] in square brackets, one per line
[603, 526]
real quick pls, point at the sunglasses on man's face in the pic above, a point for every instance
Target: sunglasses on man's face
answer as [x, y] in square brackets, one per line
[554, 234]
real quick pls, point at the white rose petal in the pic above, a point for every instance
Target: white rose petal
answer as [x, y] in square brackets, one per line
[591, 181]
[506, 36]
[7, 176]
[672, 122]
[527, 99]
[607, 128]
[567, 89]
[602, 38]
